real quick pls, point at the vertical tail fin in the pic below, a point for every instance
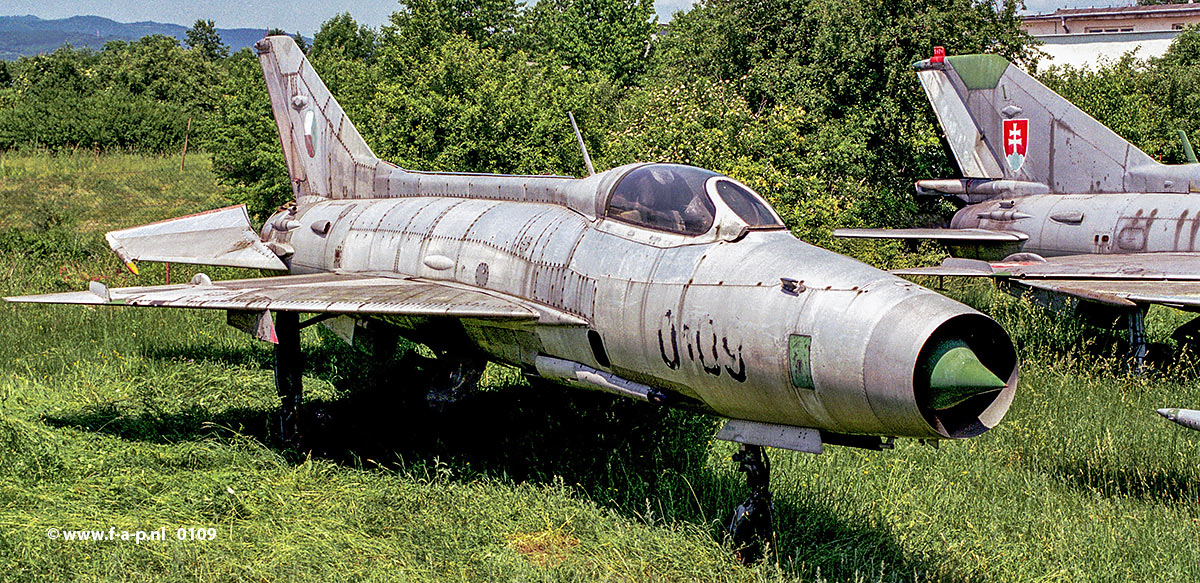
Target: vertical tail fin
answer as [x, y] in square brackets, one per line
[326, 156]
[1002, 123]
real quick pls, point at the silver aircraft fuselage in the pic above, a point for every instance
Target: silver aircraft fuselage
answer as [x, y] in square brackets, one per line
[754, 324]
[1076, 224]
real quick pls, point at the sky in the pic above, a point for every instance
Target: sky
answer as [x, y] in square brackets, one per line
[306, 17]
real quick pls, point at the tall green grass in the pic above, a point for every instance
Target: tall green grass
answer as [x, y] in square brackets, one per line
[142, 419]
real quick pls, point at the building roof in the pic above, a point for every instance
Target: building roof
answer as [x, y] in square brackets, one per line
[1125, 11]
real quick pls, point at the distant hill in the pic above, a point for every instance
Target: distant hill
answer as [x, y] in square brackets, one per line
[29, 35]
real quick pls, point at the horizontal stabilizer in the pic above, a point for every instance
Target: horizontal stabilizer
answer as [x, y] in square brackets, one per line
[983, 236]
[217, 237]
[320, 293]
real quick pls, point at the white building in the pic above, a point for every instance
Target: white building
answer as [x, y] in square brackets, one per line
[1086, 36]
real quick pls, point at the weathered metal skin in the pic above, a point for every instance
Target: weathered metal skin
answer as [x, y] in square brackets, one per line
[1071, 184]
[1062, 148]
[706, 317]
[663, 312]
[1073, 224]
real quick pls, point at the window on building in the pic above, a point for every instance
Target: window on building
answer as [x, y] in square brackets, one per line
[1177, 26]
[1101, 29]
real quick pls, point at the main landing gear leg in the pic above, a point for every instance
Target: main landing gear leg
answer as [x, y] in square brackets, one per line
[289, 366]
[1137, 339]
[751, 524]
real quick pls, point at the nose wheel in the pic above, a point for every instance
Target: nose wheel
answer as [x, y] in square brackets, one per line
[750, 526]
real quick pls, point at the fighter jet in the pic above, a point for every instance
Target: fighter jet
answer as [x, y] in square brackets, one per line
[664, 283]
[1055, 205]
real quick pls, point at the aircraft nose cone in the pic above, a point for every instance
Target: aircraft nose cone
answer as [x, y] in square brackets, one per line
[1189, 418]
[956, 375]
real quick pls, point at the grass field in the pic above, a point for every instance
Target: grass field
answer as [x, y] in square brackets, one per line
[148, 419]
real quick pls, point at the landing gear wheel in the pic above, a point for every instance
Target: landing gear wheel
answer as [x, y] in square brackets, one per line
[750, 526]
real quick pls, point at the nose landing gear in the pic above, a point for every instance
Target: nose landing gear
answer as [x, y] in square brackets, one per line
[750, 526]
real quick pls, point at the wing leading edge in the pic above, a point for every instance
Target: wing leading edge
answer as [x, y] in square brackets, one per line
[973, 236]
[331, 293]
[1169, 279]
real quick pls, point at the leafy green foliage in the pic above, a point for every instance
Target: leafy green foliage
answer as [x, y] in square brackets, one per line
[203, 38]
[423, 24]
[472, 108]
[129, 96]
[610, 36]
[244, 139]
[868, 133]
[341, 37]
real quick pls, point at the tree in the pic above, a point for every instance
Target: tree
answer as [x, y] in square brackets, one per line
[472, 108]
[300, 42]
[133, 96]
[342, 36]
[423, 24]
[203, 38]
[613, 36]
[846, 64]
[244, 140]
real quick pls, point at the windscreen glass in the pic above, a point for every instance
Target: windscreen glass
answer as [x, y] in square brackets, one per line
[666, 197]
[748, 206]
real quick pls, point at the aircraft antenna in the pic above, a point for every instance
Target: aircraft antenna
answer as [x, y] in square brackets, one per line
[1187, 147]
[587, 160]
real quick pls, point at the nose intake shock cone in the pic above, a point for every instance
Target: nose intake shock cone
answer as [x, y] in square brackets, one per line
[955, 375]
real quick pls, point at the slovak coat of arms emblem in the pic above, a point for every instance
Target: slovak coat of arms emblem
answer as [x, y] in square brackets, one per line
[1016, 138]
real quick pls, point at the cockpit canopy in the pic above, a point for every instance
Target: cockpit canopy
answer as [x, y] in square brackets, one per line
[679, 199]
